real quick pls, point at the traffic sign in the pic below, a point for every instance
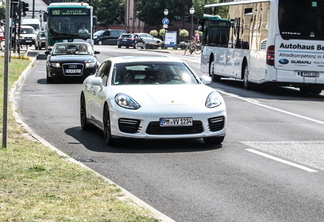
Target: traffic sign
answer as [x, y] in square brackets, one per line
[165, 21]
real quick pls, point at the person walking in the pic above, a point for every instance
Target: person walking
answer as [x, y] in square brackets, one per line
[1, 34]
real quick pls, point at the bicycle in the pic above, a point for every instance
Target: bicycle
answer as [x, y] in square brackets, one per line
[193, 48]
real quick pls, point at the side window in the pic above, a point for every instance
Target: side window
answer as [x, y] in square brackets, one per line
[107, 33]
[114, 33]
[105, 72]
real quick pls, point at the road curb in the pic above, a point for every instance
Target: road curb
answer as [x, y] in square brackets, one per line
[155, 213]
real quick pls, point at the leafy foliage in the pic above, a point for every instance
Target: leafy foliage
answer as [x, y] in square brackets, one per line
[151, 11]
[108, 11]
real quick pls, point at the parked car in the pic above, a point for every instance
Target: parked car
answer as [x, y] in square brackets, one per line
[107, 37]
[152, 98]
[130, 40]
[40, 40]
[147, 38]
[27, 35]
[74, 60]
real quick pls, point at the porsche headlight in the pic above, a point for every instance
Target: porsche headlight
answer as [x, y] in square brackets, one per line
[55, 64]
[213, 100]
[90, 64]
[126, 101]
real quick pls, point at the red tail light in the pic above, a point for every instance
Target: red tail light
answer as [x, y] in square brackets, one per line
[131, 39]
[119, 38]
[270, 55]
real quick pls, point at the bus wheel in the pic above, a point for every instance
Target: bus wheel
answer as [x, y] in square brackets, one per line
[215, 77]
[246, 82]
[316, 91]
[305, 90]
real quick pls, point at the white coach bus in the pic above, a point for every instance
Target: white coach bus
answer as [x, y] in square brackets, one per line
[265, 41]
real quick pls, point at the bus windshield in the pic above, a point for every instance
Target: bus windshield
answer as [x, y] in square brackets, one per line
[302, 19]
[64, 24]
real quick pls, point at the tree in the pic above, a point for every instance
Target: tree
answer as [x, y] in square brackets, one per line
[199, 6]
[151, 11]
[3, 12]
[108, 11]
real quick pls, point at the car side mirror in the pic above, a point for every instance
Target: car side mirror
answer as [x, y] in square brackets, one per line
[97, 82]
[96, 52]
[206, 80]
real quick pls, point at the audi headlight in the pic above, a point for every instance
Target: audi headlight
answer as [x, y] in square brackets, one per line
[213, 100]
[126, 101]
[90, 64]
[55, 64]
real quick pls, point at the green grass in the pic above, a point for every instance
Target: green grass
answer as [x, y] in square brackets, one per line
[36, 184]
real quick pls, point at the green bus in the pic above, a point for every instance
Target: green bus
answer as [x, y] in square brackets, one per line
[69, 22]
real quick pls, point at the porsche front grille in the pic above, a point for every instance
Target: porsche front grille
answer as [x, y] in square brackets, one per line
[128, 125]
[216, 123]
[155, 129]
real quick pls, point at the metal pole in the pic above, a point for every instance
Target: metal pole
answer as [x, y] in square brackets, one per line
[33, 15]
[191, 26]
[6, 77]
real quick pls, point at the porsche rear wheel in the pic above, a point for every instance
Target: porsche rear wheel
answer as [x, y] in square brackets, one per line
[107, 127]
[83, 114]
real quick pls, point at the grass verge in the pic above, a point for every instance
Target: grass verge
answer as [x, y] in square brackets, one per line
[36, 184]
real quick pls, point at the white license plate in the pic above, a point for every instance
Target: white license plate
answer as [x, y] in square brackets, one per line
[28, 41]
[176, 122]
[73, 71]
[309, 74]
[124, 40]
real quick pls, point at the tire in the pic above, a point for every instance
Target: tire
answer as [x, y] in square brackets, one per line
[107, 128]
[83, 114]
[246, 83]
[135, 45]
[213, 140]
[99, 42]
[215, 77]
[186, 49]
[119, 46]
[49, 79]
[316, 91]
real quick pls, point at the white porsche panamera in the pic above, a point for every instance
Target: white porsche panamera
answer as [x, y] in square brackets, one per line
[152, 98]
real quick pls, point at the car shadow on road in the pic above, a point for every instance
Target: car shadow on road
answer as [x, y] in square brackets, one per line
[66, 80]
[94, 140]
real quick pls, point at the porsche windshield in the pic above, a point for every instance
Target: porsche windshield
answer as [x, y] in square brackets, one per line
[152, 73]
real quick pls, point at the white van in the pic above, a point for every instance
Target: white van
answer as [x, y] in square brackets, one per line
[35, 23]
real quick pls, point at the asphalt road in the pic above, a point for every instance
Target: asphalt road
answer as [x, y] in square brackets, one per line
[269, 168]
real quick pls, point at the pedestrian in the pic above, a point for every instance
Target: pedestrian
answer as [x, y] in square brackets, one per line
[1, 34]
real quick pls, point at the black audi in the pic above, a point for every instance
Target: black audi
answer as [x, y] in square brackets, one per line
[72, 60]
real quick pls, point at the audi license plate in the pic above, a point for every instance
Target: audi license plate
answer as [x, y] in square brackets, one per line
[309, 74]
[73, 71]
[176, 122]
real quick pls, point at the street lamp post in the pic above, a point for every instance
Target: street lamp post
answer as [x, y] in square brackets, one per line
[192, 12]
[166, 12]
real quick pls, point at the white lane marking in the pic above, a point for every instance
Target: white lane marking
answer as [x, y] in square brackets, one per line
[269, 107]
[282, 161]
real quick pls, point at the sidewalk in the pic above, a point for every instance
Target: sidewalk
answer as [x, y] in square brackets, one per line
[177, 52]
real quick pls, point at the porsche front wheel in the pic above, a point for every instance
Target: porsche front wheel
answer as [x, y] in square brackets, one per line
[83, 114]
[107, 127]
[214, 140]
